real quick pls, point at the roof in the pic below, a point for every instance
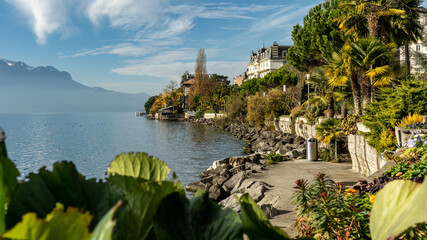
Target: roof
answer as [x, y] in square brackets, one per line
[189, 82]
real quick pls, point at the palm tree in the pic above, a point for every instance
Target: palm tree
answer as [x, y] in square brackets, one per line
[392, 21]
[327, 132]
[324, 93]
[372, 16]
[407, 29]
[366, 63]
[373, 60]
[339, 73]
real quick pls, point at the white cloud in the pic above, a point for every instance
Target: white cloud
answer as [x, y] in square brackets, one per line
[173, 70]
[280, 18]
[126, 13]
[45, 16]
[121, 49]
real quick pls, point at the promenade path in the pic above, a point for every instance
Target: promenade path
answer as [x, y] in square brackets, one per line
[282, 177]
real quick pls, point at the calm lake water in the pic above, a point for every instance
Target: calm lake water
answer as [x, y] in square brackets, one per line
[92, 140]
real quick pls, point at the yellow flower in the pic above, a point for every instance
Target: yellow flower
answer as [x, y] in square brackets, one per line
[351, 192]
[371, 199]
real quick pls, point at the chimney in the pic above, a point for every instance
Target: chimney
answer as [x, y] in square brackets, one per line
[275, 49]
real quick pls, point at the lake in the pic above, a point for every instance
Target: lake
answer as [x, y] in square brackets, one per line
[92, 140]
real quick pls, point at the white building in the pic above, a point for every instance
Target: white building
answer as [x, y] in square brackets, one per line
[419, 46]
[266, 60]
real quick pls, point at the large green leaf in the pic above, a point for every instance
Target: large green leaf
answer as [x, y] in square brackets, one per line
[255, 222]
[199, 219]
[399, 205]
[136, 220]
[139, 165]
[8, 181]
[40, 192]
[104, 229]
[69, 225]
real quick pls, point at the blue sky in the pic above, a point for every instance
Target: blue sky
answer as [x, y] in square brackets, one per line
[140, 45]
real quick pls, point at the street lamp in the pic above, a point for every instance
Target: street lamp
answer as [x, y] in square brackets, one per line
[308, 89]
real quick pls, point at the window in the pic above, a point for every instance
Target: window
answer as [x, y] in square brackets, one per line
[418, 48]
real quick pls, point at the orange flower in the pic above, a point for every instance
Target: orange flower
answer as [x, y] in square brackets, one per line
[351, 191]
[371, 199]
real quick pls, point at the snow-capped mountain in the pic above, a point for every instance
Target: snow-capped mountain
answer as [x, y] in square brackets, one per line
[25, 88]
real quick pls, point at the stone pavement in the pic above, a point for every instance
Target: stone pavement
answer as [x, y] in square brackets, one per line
[282, 177]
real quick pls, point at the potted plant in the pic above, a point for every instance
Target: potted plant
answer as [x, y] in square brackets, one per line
[410, 124]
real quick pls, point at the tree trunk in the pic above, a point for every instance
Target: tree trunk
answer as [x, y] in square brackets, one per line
[330, 107]
[343, 109]
[407, 59]
[356, 95]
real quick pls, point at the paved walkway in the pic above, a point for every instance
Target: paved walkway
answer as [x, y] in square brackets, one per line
[283, 176]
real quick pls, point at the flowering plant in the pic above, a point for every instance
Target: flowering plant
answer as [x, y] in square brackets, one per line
[415, 121]
[418, 139]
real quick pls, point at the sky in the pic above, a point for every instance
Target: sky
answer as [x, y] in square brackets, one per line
[137, 46]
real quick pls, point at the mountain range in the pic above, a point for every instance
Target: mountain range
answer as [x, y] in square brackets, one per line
[30, 89]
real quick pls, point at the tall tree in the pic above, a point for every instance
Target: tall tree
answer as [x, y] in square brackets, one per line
[317, 38]
[200, 75]
[392, 21]
[366, 63]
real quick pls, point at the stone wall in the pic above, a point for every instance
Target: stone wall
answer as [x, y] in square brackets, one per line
[365, 158]
[300, 127]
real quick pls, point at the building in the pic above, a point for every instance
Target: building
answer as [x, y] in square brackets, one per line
[266, 60]
[419, 46]
[187, 85]
[238, 80]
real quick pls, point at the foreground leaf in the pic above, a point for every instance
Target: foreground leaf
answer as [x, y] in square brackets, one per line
[399, 205]
[181, 219]
[139, 165]
[104, 229]
[136, 219]
[8, 181]
[255, 222]
[64, 184]
[69, 225]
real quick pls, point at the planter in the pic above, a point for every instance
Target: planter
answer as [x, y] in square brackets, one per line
[403, 135]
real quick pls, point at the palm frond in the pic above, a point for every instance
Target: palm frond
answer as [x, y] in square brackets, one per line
[378, 71]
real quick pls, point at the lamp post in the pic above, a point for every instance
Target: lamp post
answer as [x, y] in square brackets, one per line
[308, 89]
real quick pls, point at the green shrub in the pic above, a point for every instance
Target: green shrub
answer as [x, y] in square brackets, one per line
[326, 211]
[393, 104]
[274, 157]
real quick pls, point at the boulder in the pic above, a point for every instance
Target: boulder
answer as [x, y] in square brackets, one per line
[268, 205]
[292, 154]
[235, 180]
[193, 187]
[237, 169]
[302, 151]
[218, 163]
[231, 202]
[219, 180]
[216, 193]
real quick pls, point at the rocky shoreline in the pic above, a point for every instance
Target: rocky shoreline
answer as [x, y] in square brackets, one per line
[231, 176]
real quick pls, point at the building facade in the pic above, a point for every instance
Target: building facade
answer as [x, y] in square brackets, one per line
[266, 60]
[415, 47]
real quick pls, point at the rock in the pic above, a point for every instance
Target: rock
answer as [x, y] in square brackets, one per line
[235, 180]
[231, 202]
[256, 191]
[302, 151]
[268, 204]
[249, 165]
[216, 193]
[257, 168]
[299, 140]
[292, 154]
[219, 180]
[218, 163]
[193, 187]
[237, 169]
